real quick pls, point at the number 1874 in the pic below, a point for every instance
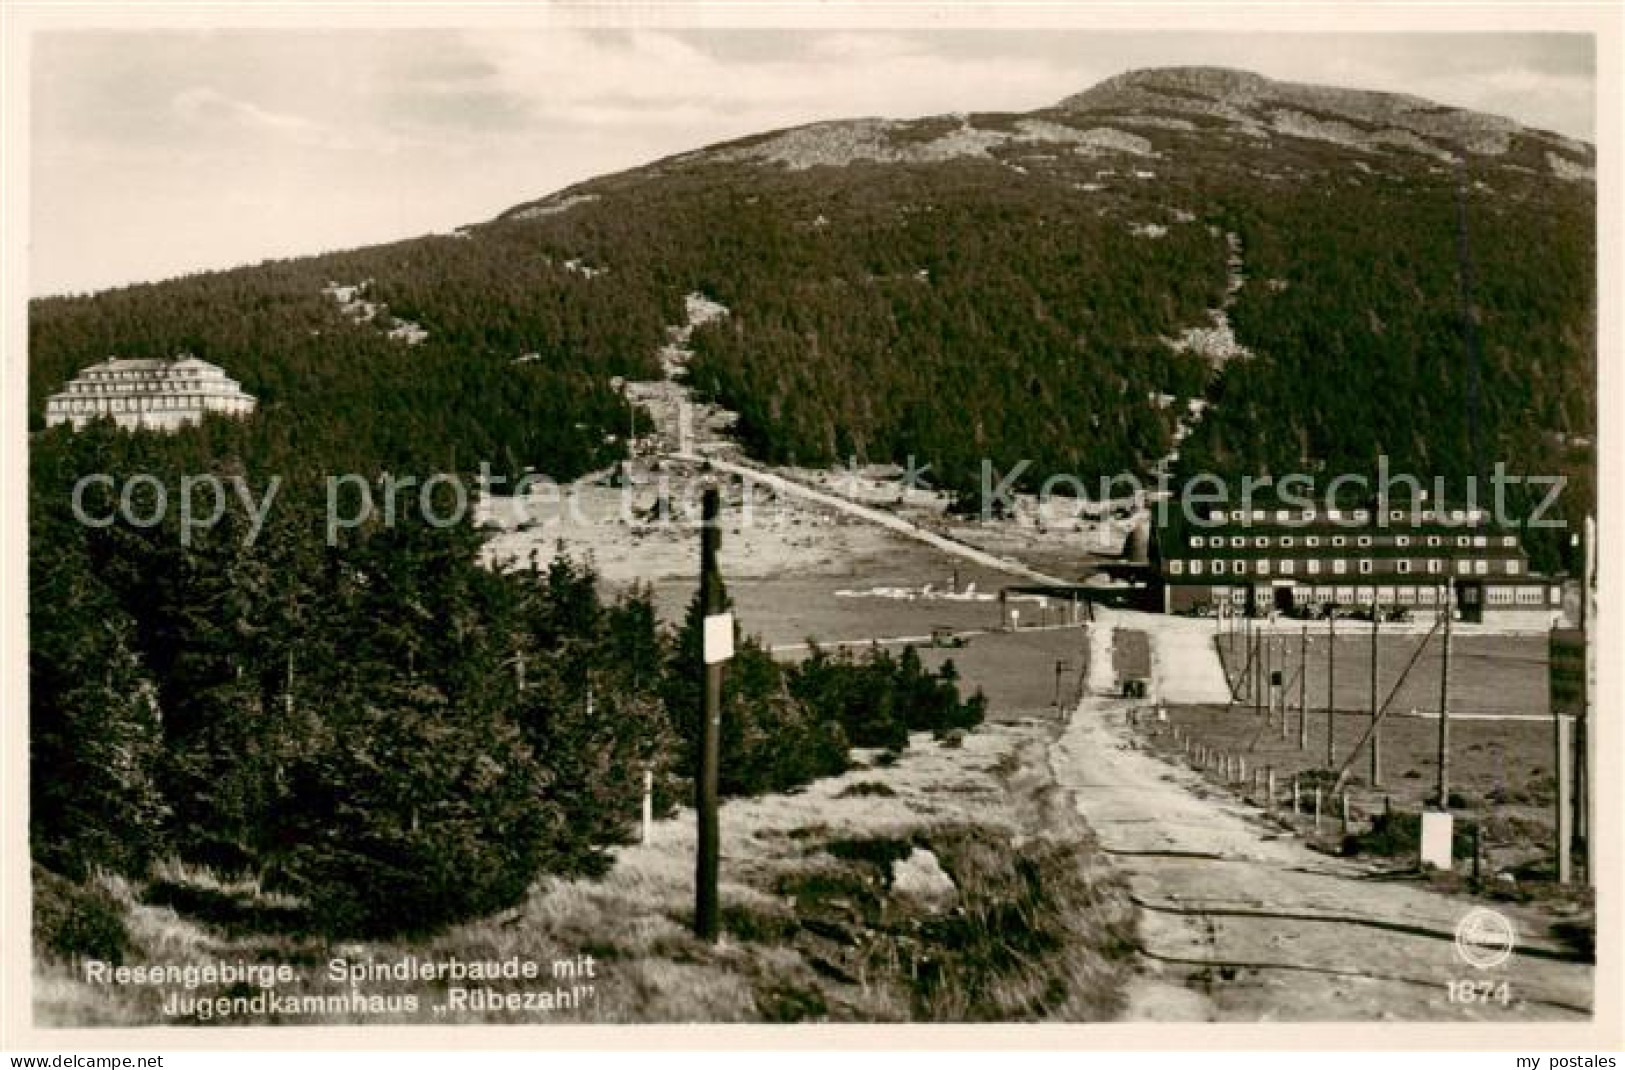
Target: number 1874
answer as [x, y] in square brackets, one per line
[1479, 992]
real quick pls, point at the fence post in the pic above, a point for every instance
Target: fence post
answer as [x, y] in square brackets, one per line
[1295, 796]
[648, 803]
[1345, 801]
[1269, 778]
[1317, 809]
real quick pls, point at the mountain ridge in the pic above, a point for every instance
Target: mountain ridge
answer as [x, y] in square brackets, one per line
[1062, 287]
[1165, 98]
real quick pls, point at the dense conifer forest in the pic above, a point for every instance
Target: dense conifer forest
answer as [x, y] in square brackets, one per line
[381, 726]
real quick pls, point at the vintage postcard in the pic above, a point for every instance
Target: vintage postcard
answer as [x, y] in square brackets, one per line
[766, 516]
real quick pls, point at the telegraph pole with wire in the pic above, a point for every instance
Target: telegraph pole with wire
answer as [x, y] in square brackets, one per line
[1444, 700]
[1331, 682]
[717, 648]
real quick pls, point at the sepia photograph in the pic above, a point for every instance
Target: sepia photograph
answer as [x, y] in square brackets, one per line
[551, 517]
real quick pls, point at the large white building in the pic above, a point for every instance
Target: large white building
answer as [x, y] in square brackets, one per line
[148, 394]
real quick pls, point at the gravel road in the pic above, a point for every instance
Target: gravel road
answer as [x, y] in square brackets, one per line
[1242, 922]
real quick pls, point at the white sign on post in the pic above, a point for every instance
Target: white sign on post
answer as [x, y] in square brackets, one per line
[1436, 837]
[719, 638]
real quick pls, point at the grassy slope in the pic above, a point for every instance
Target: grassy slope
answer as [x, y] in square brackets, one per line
[814, 928]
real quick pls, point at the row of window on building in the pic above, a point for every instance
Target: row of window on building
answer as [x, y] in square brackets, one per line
[1365, 595]
[1287, 542]
[168, 384]
[165, 375]
[1338, 566]
[1354, 516]
[1310, 594]
[148, 404]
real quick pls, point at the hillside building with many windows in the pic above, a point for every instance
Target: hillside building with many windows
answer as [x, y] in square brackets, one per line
[1312, 561]
[147, 394]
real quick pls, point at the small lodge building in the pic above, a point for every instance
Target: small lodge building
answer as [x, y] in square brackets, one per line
[147, 394]
[1308, 562]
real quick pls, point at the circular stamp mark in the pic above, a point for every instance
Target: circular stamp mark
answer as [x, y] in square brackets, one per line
[1485, 938]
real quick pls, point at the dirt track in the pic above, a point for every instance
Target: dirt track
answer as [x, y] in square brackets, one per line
[1240, 922]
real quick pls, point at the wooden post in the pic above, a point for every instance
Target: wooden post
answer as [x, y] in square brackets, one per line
[1280, 695]
[648, 803]
[1255, 662]
[1331, 676]
[1444, 700]
[1241, 769]
[1303, 690]
[1376, 735]
[1565, 798]
[1317, 809]
[1345, 799]
[1587, 800]
[705, 787]
[1296, 797]
[1266, 679]
[1269, 781]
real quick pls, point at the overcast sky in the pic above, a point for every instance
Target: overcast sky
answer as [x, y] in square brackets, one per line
[159, 152]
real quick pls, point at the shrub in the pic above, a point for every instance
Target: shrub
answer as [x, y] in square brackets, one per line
[416, 816]
[867, 788]
[77, 920]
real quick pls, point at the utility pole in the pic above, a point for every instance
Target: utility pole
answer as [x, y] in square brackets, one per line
[705, 784]
[1061, 667]
[1303, 690]
[1275, 657]
[1444, 700]
[1584, 819]
[1258, 671]
[1565, 802]
[1331, 681]
[1376, 739]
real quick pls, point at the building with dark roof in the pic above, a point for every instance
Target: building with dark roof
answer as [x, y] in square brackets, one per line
[1314, 561]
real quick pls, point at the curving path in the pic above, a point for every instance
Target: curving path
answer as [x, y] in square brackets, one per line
[873, 515]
